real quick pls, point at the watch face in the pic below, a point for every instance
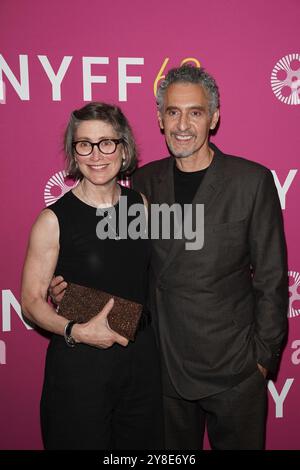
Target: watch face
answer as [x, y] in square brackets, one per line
[70, 340]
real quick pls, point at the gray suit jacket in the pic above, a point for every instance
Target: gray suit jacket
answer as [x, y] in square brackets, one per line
[220, 310]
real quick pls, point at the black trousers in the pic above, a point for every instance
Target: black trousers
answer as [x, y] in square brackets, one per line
[103, 399]
[235, 419]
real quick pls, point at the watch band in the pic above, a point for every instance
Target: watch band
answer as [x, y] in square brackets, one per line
[67, 334]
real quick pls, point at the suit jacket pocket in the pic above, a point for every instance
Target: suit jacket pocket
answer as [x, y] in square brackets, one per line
[226, 244]
[228, 227]
[229, 235]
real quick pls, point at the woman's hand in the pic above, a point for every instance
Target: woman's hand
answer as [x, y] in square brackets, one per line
[97, 332]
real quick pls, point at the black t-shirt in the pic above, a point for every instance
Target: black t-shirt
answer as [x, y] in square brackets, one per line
[186, 184]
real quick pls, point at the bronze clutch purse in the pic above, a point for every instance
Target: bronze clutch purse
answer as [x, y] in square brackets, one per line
[81, 303]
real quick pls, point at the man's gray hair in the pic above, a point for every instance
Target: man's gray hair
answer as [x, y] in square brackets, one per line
[190, 74]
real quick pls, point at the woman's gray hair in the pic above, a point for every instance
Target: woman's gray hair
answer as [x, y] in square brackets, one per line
[100, 112]
[190, 74]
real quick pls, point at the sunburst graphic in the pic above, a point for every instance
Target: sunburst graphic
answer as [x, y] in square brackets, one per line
[57, 186]
[285, 78]
[294, 294]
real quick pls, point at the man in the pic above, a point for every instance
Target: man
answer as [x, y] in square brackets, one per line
[219, 311]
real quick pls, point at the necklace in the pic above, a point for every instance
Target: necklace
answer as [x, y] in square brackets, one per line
[105, 212]
[95, 204]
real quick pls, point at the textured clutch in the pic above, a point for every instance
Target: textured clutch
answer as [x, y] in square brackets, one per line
[81, 303]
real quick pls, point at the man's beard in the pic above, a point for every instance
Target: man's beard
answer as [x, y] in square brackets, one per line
[181, 154]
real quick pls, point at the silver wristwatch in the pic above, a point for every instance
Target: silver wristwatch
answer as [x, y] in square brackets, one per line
[67, 334]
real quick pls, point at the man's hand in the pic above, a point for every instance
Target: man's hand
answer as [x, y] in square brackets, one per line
[262, 370]
[57, 289]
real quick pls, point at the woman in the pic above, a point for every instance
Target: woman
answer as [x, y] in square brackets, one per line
[103, 393]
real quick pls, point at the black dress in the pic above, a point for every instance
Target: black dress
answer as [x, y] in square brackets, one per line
[102, 398]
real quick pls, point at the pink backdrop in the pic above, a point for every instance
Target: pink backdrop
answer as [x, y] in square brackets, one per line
[240, 43]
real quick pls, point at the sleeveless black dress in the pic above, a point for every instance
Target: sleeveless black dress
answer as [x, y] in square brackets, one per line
[102, 398]
[119, 267]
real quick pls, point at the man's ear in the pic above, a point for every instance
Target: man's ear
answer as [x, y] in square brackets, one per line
[160, 120]
[215, 119]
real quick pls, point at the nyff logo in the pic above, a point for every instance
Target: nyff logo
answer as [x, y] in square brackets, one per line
[294, 305]
[58, 185]
[285, 79]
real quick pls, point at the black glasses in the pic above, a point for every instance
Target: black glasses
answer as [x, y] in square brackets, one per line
[106, 146]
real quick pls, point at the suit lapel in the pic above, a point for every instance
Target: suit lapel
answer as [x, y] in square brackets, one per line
[212, 183]
[165, 179]
[208, 191]
[165, 195]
